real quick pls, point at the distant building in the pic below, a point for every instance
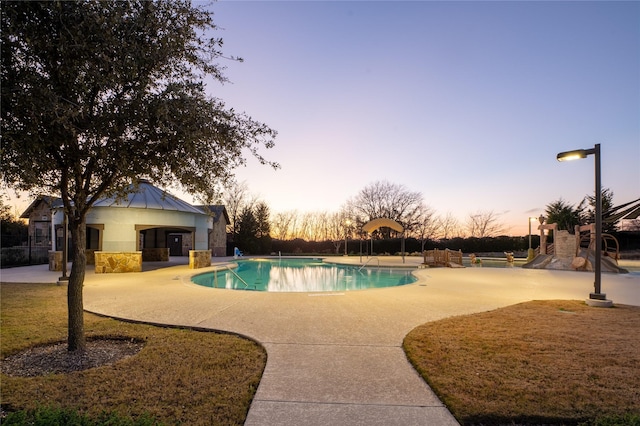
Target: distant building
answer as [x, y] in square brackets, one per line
[147, 220]
[218, 231]
[39, 215]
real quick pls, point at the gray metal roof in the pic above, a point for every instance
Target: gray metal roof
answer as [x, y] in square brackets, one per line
[147, 196]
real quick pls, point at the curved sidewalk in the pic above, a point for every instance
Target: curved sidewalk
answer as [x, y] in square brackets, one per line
[335, 358]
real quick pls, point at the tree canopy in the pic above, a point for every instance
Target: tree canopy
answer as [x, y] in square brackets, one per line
[564, 214]
[98, 94]
[383, 199]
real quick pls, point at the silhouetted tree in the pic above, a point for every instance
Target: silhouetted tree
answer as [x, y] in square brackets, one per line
[386, 200]
[14, 231]
[564, 214]
[607, 205]
[484, 224]
[247, 232]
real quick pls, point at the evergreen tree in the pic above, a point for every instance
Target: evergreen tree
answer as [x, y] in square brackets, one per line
[263, 235]
[14, 231]
[247, 231]
[564, 214]
[607, 205]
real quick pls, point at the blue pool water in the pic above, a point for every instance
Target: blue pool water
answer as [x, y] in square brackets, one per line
[302, 275]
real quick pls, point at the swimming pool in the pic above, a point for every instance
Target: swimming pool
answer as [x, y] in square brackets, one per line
[302, 275]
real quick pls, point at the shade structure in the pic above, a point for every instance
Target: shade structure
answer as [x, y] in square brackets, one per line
[382, 223]
[629, 211]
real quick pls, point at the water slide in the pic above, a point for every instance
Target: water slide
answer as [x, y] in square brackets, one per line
[607, 264]
[548, 261]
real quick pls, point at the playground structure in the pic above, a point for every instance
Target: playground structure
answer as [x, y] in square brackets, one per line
[446, 257]
[575, 252]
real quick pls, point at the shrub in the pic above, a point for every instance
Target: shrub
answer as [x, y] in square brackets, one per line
[45, 416]
[13, 256]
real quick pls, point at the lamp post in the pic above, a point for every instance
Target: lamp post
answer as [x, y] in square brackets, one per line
[597, 298]
[346, 234]
[530, 251]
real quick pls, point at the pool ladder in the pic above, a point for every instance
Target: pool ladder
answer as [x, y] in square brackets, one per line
[367, 262]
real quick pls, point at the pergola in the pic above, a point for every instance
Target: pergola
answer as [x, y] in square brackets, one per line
[382, 222]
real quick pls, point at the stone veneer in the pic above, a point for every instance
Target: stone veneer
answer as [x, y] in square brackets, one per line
[565, 244]
[199, 259]
[108, 262]
[55, 260]
[155, 254]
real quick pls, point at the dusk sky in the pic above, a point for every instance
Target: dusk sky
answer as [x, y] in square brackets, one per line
[465, 102]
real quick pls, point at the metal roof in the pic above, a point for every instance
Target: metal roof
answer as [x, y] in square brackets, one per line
[147, 196]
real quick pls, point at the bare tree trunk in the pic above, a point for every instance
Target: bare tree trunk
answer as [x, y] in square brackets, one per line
[76, 338]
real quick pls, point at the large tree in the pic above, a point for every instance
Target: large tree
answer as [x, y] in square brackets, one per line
[386, 200]
[97, 94]
[426, 226]
[483, 224]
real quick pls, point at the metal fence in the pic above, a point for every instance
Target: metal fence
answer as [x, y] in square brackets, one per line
[23, 255]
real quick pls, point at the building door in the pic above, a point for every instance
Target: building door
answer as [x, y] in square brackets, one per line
[175, 245]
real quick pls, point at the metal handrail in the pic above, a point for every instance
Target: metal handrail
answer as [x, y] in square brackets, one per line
[370, 259]
[237, 276]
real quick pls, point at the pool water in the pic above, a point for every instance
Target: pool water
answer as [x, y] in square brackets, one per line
[302, 275]
[494, 263]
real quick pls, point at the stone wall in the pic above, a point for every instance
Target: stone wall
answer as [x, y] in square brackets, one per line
[218, 237]
[108, 262]
[40, 224]
[564, 244]
[155, 254]
[55, 260]
[199, 259]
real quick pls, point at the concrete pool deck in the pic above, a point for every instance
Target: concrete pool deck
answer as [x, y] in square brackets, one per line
[333, 358]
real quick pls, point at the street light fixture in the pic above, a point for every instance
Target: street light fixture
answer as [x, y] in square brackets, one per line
[597, 298]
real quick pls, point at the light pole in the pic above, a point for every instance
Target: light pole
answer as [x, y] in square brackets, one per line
[346, 234]
[530, 251]
[597, 298]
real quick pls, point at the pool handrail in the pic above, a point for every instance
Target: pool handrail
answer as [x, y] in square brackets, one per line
[237, 276]
[368, 260]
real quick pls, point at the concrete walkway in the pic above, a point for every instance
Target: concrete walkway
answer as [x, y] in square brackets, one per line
[333, 358]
